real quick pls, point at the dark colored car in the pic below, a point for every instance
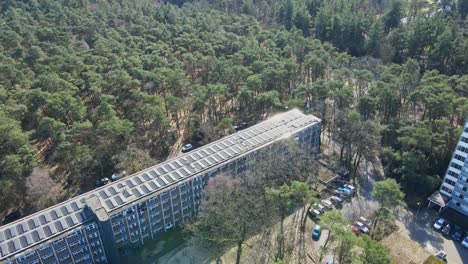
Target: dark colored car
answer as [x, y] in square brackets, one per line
[447, 229]
[241, 126]
[187, 148]
[11, 217]
[102, 182]
[458, 234]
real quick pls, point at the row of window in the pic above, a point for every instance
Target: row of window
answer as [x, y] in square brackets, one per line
[450, 182]
[456, 166]
[459, 157]
[452, 173]
[446, 189]
[462, 149]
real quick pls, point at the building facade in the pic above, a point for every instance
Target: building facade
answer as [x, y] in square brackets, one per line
[455, 182]
[97, 226]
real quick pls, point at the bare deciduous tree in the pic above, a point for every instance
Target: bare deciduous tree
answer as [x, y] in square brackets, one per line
[42, 190]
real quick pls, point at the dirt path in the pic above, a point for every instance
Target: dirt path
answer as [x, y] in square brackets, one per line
[174, 150]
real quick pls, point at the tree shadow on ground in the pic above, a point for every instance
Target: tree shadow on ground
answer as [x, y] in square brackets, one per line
[420, 229]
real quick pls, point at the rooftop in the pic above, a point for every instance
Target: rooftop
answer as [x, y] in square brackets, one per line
[57, 219]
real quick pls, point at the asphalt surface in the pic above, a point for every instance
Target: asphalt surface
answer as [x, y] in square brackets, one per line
[421, 231]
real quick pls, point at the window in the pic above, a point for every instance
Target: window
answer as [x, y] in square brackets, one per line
[462, 149]
[461, 196]
[445, 189]
[460, 158]
[450, 182]
[466, 129]
[464, 188]
[464, 139]
[452, 173]
[456, 166]
[61, 249]
[458, 204]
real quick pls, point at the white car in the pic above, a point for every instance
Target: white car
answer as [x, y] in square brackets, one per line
[362, 226]
[319, 207]
[118, 175]
[327, 204]
[441, 255]
[187, 148]
[364, 220]
[439, 224]
[313, 213]
[465, 242]
[349, 186]
[336, 199]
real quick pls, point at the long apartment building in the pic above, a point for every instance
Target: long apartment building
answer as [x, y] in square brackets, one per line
[97, 226]
[455, 184]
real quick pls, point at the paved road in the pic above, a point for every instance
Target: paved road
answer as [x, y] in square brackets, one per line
[422, 232]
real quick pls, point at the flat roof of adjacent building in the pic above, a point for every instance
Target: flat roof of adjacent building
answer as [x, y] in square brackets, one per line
[55, 220]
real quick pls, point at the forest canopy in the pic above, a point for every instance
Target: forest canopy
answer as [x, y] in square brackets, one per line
[88, 88]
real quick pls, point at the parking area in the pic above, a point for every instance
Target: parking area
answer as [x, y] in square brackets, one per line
[422, 231]
[344, 199]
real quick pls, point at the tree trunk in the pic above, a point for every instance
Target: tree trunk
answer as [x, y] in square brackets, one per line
[328, 239]
[239, 252]
[280, 254]
[341, 151]
[239, 244]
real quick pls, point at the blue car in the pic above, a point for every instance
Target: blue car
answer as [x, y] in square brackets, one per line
[345, 191]
[348, 190]
[316, 233]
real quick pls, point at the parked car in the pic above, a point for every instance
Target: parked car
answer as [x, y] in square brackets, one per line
[345, 191]
[118, 175]
[362, 227]
[313, 213]
[348, 191]
[441, 255]
[11, 217]
[319, 207]
[241, 126]
[446, 230]
[365, 221]
[458, 234]
[439, 224]
[316, 232]
[102, 182]
[327, 204]
[336, 199]
[465, 242]
[349, 186]
[187, 148]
